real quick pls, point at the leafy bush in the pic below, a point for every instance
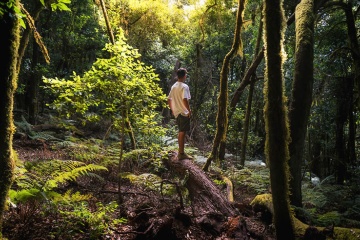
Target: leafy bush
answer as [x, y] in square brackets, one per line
[120, 88]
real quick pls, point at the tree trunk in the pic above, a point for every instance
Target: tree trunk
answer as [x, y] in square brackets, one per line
[247, 77]
[130, 130]
[246, 124]
[9, 42]
[353, 42]
[276, 122]
[352, 127]
[245, 82]
[301, 94]
[26, 34]
[108, 25]
[202, 191]
[249, 101]
[222, 117]
[32, 88]
[343, 86]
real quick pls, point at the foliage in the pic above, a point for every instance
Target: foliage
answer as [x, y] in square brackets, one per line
[153, 27]
[113, 86]
[40, 179]
[58, 5]
[78, 218]
[323, 203]
[150, 181]
[256, 179]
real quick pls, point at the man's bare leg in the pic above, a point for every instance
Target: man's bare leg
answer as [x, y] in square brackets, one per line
[181, 141]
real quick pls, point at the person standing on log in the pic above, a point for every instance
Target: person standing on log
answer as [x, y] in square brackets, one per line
[178, 101]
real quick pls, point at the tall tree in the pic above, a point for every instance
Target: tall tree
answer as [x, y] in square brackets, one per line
[276, 122]
[9, 44]
[342, 88]
[301, 94]
[249, 101]
[222, 116]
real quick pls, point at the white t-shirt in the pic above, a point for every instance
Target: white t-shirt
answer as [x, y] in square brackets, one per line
[178, 92]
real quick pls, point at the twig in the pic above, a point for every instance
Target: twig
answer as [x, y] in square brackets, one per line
[133, 193]
[134, 232]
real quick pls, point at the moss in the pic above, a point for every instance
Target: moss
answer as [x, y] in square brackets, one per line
[263, 202]
[329, 218]
[346, 233]
[9, 40]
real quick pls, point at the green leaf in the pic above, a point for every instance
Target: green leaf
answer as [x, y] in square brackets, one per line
[61, 6]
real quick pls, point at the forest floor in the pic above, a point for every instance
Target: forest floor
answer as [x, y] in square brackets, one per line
[148, 213]
[150, 205]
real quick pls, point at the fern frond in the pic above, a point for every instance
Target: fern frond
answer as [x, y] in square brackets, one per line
[72, 175]
[69, 197]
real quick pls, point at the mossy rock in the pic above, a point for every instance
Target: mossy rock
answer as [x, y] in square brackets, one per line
[263, 202]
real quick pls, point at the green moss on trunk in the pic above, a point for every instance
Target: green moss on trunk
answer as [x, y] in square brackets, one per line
[276, 123]
[301, 94]
[9, 42]
[222, 114]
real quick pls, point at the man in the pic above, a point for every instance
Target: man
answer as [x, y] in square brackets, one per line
[178, 101]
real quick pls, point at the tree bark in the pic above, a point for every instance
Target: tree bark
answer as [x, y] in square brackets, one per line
[246, 124]
[32, 88]
[222, 116]
[202, 191]
[108, 25]
[352, 127]
[9, 42]
[343, 87]
[249, 101]
[276, 122]
[302, 89]
[27, 33]
[354, 43]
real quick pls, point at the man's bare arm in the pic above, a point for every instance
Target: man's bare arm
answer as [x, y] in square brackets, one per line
[187, 105]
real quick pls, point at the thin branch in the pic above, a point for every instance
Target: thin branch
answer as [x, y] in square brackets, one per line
[133, 232]
[37, 36]
[177, 190]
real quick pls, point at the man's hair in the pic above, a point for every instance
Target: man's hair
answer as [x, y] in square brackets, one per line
[181, 72]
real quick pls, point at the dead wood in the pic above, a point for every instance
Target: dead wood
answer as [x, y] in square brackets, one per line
[203, 192]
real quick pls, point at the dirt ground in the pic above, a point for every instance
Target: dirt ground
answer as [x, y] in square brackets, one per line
[149, 214]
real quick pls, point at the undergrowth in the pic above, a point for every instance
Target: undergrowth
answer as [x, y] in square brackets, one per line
[62, 194]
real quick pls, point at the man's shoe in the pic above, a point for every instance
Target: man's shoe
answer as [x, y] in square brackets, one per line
[183, 156]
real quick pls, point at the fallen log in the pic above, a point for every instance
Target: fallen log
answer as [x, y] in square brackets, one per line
[203, 193]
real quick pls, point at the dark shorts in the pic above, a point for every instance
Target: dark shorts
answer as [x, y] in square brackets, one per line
[183, 123]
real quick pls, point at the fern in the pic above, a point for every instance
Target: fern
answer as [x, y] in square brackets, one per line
[149, 181]
[39, 179]
[71, 175]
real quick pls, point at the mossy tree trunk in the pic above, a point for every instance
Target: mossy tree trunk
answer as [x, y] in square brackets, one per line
[275, 114]
[302, 89]
[9, 42]
[249, 101]
[35, 13]
[222, 115]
